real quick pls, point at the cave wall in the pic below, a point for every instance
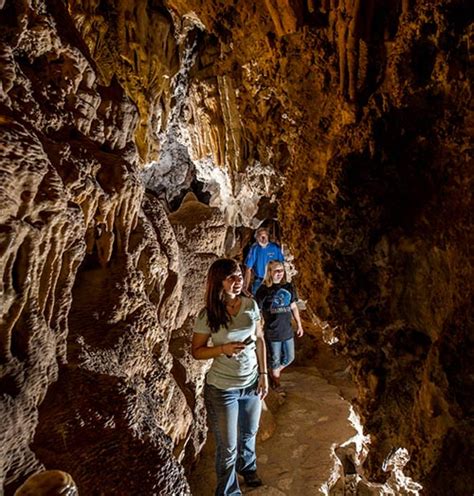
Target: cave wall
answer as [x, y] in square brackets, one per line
[91, 267]
[354, 116]
[387, 212]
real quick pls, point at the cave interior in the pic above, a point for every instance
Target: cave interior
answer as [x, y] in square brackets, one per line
[143, 139]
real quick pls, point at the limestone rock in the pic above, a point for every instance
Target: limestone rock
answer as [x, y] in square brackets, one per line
[206, 227]
[73, 229]
[48, 483]
[354, 116]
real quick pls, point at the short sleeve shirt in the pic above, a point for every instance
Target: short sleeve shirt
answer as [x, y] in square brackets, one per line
[259, 256]
[275, 302]
[239, 371]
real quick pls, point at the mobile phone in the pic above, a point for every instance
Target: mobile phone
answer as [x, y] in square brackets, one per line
[248, 341]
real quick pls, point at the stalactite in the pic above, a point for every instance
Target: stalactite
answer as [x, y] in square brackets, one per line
[332, 21]
[341, 37]
[350, 23]
[406, 6]
[352, 50]
[233, 126]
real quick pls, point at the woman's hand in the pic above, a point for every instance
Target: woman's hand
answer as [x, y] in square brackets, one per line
[262, 388]
[201, 351]
[299, 331]
[232, 349]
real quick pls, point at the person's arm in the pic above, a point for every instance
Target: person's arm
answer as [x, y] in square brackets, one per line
[247, 278]
[262, 362]
[296, 316]
[249, 264]
[201, 351]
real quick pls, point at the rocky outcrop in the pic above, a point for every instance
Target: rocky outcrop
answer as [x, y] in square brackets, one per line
[88, 279]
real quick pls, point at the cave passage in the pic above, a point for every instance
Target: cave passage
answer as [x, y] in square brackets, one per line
[142, 140]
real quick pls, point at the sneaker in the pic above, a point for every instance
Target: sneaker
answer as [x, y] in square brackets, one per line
[252, 479]
[274, 382]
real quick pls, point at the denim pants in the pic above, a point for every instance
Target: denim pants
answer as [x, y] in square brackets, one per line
[280, 353]
[234, 415]
[257, 282]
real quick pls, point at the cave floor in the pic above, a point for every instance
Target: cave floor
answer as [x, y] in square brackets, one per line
[313, 417]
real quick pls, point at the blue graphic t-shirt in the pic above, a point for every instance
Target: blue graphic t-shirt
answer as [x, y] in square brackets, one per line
[258, 257]
[275, 303]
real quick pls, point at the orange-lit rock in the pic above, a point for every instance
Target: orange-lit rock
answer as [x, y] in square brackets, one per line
[353, 116]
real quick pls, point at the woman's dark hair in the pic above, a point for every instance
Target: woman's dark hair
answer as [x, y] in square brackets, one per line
[217, 314]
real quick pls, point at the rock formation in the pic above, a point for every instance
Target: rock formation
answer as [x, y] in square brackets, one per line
[89, 281]
[48, 483]
[354, 117]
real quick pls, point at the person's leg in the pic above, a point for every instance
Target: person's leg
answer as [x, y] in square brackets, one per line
[274, 361]
[250, 407]
[287, 352]
[222, 409]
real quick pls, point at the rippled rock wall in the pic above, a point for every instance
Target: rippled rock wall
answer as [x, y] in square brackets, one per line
[90, 266]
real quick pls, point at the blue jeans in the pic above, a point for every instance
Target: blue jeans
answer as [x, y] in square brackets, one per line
[233, 415]
[257, 282]
[280, 353]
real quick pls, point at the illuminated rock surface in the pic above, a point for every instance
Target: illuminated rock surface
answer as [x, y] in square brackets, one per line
[354, 117]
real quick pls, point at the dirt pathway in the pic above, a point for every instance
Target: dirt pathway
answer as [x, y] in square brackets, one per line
[297, 459]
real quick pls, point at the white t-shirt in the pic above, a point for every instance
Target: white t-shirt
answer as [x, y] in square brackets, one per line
[239, 371]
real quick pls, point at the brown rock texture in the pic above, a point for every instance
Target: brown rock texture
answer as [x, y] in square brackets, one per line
[355, 116]
[386, 214]
[89, 284]
[48, 483]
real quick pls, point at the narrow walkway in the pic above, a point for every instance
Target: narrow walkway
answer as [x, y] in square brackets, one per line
[297, 459]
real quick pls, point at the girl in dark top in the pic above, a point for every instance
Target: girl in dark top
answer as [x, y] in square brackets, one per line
[277, 300]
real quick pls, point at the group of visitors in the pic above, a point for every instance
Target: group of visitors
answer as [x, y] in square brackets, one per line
[241, 347]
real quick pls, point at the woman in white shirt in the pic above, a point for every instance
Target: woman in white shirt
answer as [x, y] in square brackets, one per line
[237, 381]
